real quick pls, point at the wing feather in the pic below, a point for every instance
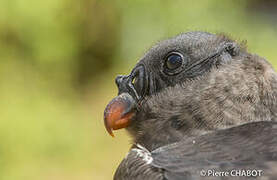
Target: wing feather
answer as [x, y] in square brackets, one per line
[250, 146]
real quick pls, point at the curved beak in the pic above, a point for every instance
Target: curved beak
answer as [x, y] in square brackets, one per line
[121, 109]
[119, 112]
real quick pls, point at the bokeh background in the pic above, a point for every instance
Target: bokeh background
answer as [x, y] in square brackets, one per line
[58, 61]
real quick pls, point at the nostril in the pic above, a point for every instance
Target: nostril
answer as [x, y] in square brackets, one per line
[122, 83]
[134, 83]
[118, 80]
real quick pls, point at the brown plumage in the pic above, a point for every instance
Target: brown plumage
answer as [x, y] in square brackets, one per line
[194, 88]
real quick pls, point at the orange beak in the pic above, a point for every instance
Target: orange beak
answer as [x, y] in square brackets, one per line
[119, 112]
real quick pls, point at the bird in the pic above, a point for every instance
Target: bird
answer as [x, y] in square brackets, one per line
[197, 106]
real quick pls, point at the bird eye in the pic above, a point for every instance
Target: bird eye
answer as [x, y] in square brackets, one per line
[174, 60]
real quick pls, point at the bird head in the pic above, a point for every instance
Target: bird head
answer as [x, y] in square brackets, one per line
[190, 84]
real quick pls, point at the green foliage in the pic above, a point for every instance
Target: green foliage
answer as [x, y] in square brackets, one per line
[58, 60]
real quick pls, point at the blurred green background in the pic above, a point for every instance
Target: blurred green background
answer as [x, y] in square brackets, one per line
[58, 61]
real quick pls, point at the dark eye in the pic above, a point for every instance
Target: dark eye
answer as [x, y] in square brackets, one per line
[174, 60]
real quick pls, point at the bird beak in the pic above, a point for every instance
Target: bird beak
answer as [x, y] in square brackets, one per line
[119, 112]
[121, 109]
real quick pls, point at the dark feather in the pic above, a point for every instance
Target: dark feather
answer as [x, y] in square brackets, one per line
[236, 148]
[202, 115]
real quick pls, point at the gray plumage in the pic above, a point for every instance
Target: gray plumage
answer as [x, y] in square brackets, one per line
[247, 147]
[220, 86]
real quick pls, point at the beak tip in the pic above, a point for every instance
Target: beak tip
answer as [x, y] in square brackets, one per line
[118, 113]
[110, 131]
[108, 126]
